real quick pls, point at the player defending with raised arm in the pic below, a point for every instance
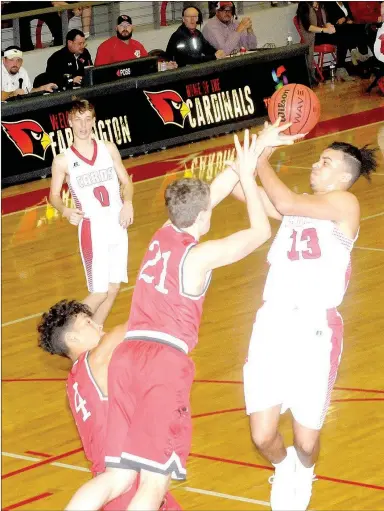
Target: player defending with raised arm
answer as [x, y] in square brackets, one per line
[149, 420]
[297, 337]
[94, 172]
[67, 329]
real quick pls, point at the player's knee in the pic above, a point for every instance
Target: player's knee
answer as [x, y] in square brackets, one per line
[263, 439]
[307, 446]
[120, 481]
[154, 484]
[113, 290]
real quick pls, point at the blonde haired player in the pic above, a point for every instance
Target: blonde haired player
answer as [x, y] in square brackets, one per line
[297, 337]
[94, 172]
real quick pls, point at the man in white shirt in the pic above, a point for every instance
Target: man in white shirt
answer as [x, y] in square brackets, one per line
[14, 78]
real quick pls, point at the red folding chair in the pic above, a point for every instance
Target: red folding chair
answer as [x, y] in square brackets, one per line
[320, 51]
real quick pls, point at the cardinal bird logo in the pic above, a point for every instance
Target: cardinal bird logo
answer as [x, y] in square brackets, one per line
[28, 136]
[169, 105]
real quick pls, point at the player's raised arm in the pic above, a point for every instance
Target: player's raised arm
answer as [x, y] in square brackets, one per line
[216, 253]
[228, 181]
[59, 170]
[337, 169]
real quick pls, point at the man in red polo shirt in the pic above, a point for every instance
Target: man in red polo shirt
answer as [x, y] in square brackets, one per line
[121, 46]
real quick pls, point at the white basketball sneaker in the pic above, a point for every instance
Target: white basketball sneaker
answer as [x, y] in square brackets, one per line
[283, 483]
[304, 478]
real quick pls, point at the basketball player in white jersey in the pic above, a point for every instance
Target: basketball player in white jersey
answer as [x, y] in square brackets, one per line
[297, 337]
[102, 191]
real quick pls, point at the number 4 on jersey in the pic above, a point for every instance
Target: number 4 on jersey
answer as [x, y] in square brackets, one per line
[80, 403]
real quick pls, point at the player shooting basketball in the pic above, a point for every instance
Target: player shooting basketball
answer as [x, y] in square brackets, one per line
[297, 337]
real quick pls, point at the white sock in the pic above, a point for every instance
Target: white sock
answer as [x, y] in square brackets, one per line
[285, 460]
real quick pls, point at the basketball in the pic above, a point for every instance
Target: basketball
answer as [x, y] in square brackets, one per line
[297, 104]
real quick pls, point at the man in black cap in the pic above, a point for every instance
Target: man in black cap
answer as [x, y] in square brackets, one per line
[121, 46]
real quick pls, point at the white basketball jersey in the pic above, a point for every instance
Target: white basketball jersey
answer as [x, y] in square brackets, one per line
[94, 184]
[310, 263]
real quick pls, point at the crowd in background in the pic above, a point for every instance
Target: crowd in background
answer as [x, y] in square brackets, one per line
[348, 26]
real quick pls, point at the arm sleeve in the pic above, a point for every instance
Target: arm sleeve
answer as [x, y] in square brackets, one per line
[54, 69]
[248, 40]
[102, 56]
[171, 48]
[216, 38]
[143, 51]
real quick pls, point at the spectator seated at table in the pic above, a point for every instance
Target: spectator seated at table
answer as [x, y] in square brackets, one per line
[226, 34]
[70, 60]
[14, 78]
[340, 15]
[188, 45]
[121, 46]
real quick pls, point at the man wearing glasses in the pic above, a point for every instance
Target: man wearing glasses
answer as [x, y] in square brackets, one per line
[188, 45]
[223, 32]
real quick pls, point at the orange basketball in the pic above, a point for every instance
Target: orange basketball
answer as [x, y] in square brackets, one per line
[297, 104]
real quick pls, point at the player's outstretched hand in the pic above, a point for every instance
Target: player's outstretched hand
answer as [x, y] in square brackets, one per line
[73, 215]
[126, 215]
[272, 136]
[246, 155]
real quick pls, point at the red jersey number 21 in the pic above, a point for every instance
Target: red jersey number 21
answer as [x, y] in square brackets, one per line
[309, 240]
[160, 258]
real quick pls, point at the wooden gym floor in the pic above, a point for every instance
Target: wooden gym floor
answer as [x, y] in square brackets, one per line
[42, 460]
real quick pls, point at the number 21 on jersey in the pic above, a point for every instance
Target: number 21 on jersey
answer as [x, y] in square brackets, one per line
[160, 258]
[80, 403]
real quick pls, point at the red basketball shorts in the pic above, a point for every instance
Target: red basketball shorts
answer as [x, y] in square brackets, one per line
[149, 417]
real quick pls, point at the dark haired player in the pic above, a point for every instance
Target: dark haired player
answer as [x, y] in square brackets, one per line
[67, 329]
[297, 336]
[149, 419]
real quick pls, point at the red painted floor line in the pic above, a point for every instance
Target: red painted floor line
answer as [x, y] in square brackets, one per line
[40, 454]
[353, 389]
[27, 501]
[264, 467]
[40, 463]
[233, 382]
[154, 169]
[217, 412]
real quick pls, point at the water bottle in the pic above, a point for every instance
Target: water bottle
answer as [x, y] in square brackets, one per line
[289, 39]
[332, 72]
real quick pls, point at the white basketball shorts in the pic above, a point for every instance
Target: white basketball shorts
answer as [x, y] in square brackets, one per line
[104, 253]
[292, 361]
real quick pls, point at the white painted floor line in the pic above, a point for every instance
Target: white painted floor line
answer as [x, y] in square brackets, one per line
[372, 216]
[19, 456]
[38, 314]
[71, 467]
[373, 249]
[22, 319]
[226, 496]
[186, 488]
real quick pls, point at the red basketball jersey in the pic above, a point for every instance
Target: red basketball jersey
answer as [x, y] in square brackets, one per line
[161, 310]
[89, 408]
